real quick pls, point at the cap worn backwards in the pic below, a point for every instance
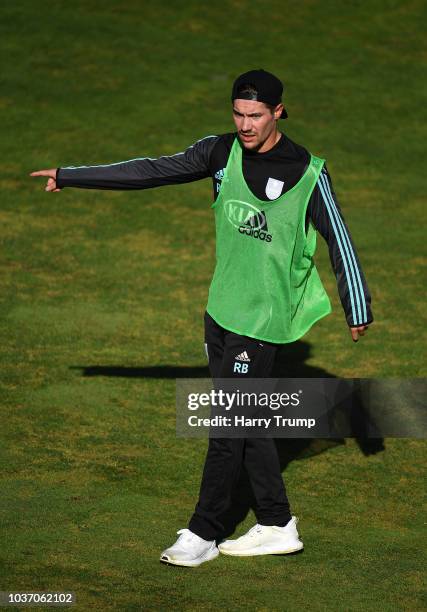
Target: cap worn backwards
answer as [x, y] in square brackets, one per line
[268, 87]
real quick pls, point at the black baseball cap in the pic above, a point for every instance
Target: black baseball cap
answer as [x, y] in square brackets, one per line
[268, 86]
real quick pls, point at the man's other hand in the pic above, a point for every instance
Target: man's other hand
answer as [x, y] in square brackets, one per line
[51, 181]
[358, 331]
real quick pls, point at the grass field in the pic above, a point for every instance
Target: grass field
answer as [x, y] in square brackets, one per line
[103, 293]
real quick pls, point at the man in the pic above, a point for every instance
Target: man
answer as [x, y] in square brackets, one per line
[270, 197]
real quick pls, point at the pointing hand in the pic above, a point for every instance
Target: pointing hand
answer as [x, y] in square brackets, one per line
[51, 181]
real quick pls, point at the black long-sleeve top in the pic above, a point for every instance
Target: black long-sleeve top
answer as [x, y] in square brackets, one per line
[268, 176]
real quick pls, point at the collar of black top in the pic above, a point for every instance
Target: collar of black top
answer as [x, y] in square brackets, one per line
[268, 86]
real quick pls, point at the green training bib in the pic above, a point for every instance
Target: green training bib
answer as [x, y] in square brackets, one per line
[265, 283]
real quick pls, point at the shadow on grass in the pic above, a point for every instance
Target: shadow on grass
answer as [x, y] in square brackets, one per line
[290, 363]
[161, 371]
[289, 449]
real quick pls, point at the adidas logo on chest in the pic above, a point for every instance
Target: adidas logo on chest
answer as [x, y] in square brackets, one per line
[256, 226]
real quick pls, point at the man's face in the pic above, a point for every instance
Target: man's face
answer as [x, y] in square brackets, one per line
[255, 122]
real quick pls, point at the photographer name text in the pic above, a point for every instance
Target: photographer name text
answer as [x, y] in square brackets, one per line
[241, 421]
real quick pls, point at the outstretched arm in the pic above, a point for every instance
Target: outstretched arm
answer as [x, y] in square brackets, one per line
[140, 173]
[327, 218]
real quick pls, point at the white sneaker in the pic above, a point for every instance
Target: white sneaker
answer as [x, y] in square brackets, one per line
[189, 550]
[265, 540]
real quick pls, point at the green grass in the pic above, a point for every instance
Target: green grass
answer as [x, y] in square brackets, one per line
[94, 481]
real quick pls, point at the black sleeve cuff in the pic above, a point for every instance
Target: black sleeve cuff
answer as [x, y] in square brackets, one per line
[59, 185]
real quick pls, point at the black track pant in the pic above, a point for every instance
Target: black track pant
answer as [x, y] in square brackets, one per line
[225, 456]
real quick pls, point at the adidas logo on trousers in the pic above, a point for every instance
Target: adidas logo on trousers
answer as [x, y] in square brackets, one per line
[239, 367]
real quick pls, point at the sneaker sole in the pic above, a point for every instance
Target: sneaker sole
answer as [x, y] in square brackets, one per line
[260, 550]
[209, 556]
